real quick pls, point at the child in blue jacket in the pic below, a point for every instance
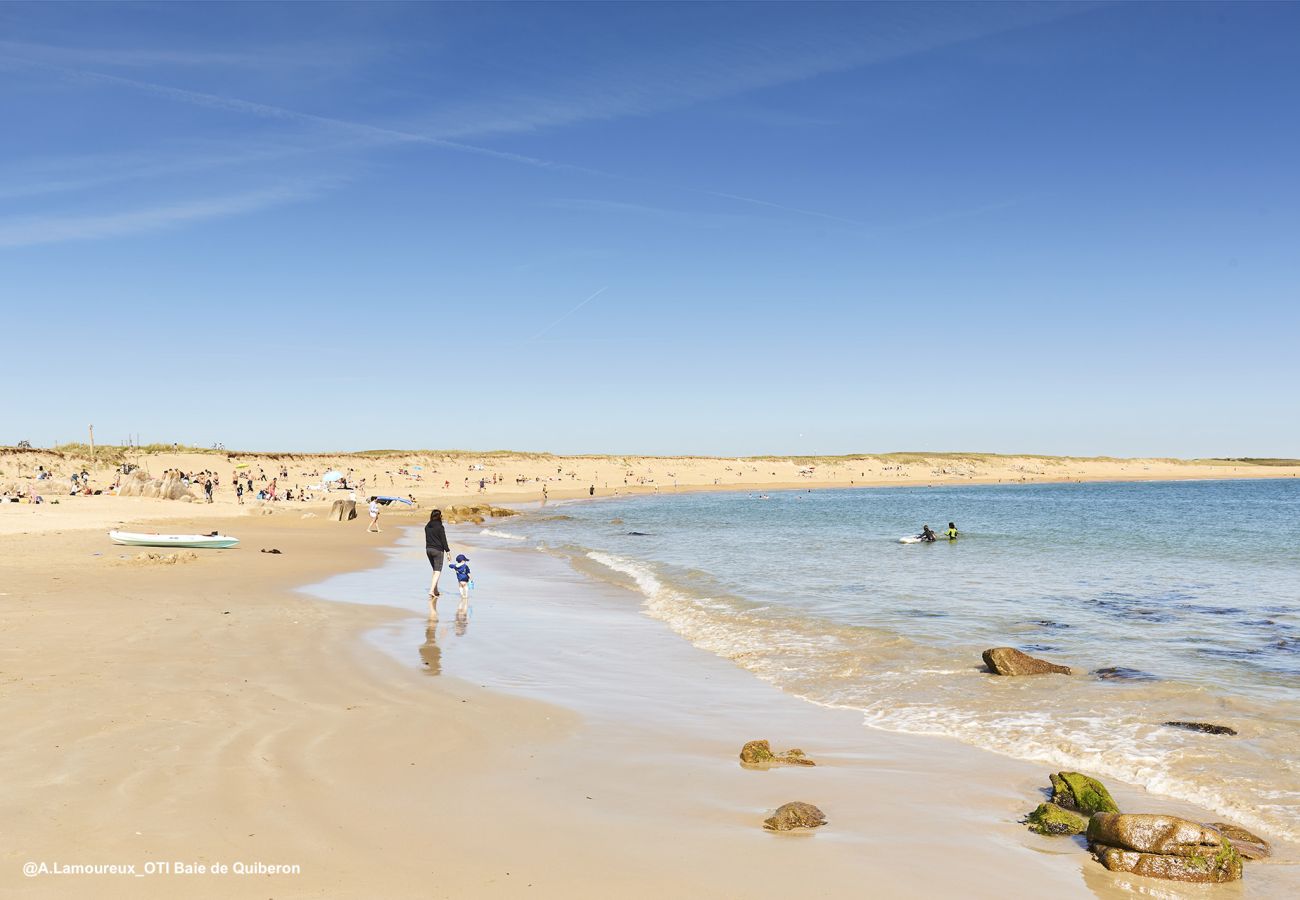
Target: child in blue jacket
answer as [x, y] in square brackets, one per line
[461, 568]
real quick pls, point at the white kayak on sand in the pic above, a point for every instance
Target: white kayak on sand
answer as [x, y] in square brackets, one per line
[211, 541]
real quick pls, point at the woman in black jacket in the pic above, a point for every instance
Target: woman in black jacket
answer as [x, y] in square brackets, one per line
[435, 545]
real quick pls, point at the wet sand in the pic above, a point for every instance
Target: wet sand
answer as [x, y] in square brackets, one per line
[208, 712]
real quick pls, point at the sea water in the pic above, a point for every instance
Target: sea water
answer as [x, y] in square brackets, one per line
[1190, 591]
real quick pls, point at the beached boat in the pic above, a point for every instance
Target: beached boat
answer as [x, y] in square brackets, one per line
[211, 541]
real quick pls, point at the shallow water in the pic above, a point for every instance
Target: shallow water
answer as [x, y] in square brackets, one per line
[1191, 588]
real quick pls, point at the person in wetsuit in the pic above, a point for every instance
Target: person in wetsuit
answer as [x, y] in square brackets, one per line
[435, 545]
[927, 535]
[952, 532]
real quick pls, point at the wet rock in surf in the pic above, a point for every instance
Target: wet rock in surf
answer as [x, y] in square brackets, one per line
[759, 755]
[1010, 661]
[1123, 673]
[1049, 818]
[1203, 727]
[1074, 790]
[1249, 845]
[1162, 847]
[795, 815]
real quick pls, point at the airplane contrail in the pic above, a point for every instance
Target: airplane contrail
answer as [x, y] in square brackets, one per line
[394, 135]
[569, 313]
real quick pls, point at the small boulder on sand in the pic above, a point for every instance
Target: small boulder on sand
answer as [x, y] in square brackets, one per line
[795, 815]
[759, 755]
[1010, 661]
[1159, 846]
[343, 510]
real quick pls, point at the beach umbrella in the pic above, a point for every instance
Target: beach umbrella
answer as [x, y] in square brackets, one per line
[418, 468]
[332, 476]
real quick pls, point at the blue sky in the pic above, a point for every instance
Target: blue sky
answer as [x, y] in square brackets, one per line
[661, 228]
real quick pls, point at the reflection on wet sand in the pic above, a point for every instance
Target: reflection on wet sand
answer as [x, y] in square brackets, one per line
[430, 652]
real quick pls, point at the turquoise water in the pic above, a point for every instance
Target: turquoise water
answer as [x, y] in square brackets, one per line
[1192, 588]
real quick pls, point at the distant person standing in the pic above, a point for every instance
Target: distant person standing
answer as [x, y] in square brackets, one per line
[207, 489]
[374, 516]
[239, 492]
[435, 545]
[591, 491]
[952, 531]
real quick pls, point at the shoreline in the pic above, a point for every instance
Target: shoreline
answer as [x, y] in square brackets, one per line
[602, 763]
[611, 694]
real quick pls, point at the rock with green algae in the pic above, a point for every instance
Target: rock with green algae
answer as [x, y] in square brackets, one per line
[1158, 846]
[795, 815]
[759, 755]
[1249, 845]
[1049, 818]
[1072, 790]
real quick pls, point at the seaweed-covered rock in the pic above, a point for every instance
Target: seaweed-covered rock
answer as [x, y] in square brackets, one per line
[1010, 661]
[1150, 833]
[1162, 847]
[795, 815]
[758, 754]
[1072, 790]
[1049, 818]
[1203, 727]
[1249, 845]
[1217, 867]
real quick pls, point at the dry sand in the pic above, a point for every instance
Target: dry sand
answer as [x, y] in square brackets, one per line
[205, 712]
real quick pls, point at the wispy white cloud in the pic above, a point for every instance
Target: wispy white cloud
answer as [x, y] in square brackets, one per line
[30, 231]
[381, 134]
[65, 174]
[684, 217]
[272, 58]
[711, 60]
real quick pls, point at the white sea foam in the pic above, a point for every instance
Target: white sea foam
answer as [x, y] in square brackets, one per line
[860, 668]
[496, 533]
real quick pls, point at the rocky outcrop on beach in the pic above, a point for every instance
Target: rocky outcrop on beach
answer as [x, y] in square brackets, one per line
[1250, 846]
[759, 755]
[163, 559]
[795, 815]
[1166, 847]
[1010, 661]
[1049, 818]
[168, 487]
[478, 513]
[343, 510]
[1203, 727]
[1073, 790]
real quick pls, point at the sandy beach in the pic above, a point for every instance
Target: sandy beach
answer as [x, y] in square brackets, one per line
[444, 477]
[212, 712]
